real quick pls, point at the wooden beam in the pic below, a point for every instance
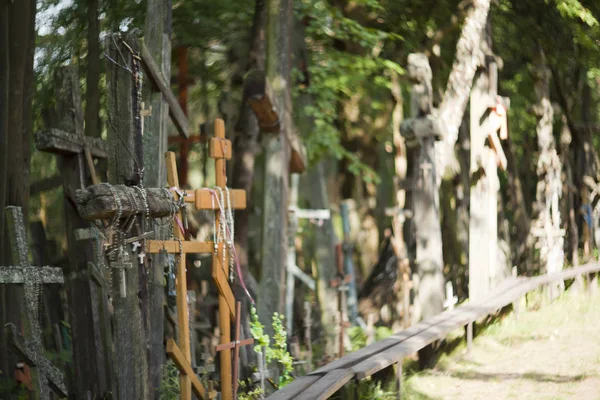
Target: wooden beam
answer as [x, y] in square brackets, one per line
[61, 142]
[184, 367]
[35, 358]
[21, 274]
[177, 115]
[46, 184]
[173, 246]
[219, 148]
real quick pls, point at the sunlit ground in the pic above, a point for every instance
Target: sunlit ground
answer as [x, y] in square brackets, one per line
[548, 352]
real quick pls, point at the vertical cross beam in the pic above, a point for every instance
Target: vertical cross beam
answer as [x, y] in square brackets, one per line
[220, 150]
[235, 345]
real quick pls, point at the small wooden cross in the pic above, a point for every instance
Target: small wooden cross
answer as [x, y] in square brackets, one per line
[24, 273]
[341, 283]
[235, 345]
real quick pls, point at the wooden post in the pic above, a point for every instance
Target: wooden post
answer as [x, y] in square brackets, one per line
[131, 357]
[235, 345]
[157, 39]
[65, 138]
[349, 263]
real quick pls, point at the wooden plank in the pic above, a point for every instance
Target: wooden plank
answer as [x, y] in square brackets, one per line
[219, 148]
[327, 385]
[61, 142]
[177, 115]
[296, 387]
[361, 354]
[223, 285]
[184, 367]
[172, 246]
[465, 315]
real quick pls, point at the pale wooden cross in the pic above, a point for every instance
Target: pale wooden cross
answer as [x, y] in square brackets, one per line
[235, 345]
[293, 271]
[27, 275]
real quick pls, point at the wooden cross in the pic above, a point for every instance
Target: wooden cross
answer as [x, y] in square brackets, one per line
[27, 275]
[307, 335]
[341, 283]
[293, 271]
[235, 345]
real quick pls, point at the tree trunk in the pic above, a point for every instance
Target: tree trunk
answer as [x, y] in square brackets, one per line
[546, 212]
[277, 156]
[92, 94]
[460, 81]
[245, 147]
[17, 37]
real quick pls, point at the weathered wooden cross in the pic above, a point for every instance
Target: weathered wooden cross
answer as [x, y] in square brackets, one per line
[487, 117]
[420, 133]
[32, 278]
[341, 284]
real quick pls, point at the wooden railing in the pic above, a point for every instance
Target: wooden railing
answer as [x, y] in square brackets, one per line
[325, 381]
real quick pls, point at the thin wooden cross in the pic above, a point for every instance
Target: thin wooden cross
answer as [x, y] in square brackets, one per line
[28, 276]
[341, 283]
[235, 345]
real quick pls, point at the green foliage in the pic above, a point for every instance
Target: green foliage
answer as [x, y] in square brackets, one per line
[169, 386]
[358, 337]
[277, 353]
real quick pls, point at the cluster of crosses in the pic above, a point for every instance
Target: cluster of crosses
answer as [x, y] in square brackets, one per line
[103, 202]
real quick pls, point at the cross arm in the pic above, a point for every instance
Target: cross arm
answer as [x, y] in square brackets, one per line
[100, 201]
[414, 129]
[35, 357]
[175, 111]
[183, 365]
[20, 274]
[61, 142]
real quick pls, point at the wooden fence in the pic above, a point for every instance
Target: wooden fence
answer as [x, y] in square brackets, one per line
[325, 381]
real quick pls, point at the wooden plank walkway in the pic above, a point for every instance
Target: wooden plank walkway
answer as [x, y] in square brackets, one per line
[325, 381]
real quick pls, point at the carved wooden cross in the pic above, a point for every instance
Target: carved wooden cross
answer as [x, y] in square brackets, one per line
[235, 345]
[27, 275]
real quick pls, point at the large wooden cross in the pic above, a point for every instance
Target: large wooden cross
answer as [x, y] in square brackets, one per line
[487, 118]
[74, 152]
[31, 277]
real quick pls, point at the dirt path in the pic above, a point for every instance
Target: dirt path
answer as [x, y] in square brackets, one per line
[549, 353]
